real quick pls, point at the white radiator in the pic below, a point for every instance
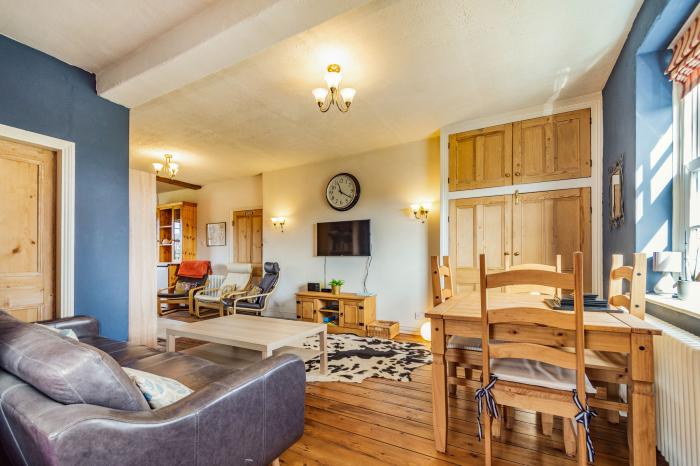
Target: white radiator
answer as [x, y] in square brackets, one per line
[677, 375]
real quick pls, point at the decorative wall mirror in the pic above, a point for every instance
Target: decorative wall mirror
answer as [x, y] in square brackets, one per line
[617, 208]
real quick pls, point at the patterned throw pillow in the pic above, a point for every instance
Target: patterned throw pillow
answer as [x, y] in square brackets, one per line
[255, 290]
[64, 332]
[227, 290]
[183, 287]
[158, 391]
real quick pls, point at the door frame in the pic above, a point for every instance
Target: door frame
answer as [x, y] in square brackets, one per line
[65, 215]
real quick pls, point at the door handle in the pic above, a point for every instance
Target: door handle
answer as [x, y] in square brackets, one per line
[516, 253]
[506, 254]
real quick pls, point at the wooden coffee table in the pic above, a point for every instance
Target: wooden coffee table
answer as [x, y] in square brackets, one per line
[266, 335]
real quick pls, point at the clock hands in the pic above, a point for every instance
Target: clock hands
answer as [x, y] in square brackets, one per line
[343, 192]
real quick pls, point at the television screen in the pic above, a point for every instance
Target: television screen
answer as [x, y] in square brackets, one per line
[343, 238]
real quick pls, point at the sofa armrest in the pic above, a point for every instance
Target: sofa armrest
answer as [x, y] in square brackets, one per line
[83, 326]
[248, 417]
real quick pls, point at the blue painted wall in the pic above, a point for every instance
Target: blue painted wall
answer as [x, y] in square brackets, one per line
[42, 94]
[637, 115]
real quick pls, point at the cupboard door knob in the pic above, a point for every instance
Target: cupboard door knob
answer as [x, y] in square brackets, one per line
[507, 175]
[506, 254]
[517, 173]
[516, 253]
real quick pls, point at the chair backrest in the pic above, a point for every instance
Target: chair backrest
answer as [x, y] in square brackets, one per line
[543, 290]
[563, 320]
[636, 276]
[269, 281]
[441, 276]
[213, 282]
[238, 275]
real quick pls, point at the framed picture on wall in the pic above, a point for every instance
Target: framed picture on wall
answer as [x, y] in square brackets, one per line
[216, 234]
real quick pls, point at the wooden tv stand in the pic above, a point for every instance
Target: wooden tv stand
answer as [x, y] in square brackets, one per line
[348, 312]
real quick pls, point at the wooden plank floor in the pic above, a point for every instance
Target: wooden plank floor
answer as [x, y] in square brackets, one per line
[380, 421]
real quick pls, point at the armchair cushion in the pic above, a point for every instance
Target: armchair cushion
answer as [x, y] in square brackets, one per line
[69, 372]
[256, 290]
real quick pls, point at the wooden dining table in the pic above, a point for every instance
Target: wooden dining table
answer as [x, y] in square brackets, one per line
[604, 331]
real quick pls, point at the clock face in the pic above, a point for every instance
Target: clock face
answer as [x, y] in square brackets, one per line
[343, 191]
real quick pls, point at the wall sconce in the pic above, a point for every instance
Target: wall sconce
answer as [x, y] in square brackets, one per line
[421, 211]
[278, 222]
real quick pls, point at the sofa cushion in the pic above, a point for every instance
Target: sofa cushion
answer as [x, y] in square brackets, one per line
[159, 391]
[65, 370]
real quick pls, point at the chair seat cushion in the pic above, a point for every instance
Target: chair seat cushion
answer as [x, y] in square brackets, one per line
[536, 373]
[465, 343]
[207, 298]
[165, 294]
[243, 304]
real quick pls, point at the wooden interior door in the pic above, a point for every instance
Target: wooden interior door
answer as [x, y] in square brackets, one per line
[27, 231]
[479, 225]
[247, 226]
[481, 158]
[553, 222]
[554, 147]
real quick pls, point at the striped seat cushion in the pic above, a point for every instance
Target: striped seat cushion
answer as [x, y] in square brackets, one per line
[465, 343]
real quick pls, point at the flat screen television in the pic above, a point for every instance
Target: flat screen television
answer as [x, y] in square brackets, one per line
[350, 238]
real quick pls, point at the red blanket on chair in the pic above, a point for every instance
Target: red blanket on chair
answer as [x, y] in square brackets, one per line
[194, 269]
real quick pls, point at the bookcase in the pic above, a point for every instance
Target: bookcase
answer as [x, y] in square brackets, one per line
[177, 231]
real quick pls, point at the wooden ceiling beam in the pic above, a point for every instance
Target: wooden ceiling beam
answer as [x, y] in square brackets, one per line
[179, 183]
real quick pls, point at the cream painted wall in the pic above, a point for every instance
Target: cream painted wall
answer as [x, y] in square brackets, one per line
[391, 179]
[215, 202]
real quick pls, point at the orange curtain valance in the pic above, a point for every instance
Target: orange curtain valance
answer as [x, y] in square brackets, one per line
[685, 63]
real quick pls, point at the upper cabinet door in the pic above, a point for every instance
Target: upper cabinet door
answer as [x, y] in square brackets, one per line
[550, 148]
[481, 158]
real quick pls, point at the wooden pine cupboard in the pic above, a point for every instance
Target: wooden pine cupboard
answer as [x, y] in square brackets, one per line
[549, 148]
[519, 229]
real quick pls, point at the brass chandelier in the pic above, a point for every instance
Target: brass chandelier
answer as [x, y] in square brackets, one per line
[325, 98]
[171, 168]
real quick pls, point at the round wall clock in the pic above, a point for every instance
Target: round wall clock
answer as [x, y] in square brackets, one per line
[343, 191]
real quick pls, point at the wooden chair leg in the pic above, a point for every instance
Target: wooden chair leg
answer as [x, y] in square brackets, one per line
[452, 372]
[548, 424]
[486, 419]
[275, 462]
[582, 453]
[496, 423]
[569, 437]
[613, 395]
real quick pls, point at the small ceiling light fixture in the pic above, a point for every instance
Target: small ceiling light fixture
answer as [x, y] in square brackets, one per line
[326, 99]
[278, 222]
[171, 168]
[421, 211]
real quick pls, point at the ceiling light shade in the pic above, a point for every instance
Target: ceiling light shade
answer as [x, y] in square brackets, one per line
[333, 76]
[173, 168]
[157, 166]
[348, 94]
[320, 95]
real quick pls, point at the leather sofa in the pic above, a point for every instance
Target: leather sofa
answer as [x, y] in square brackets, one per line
[234, 417]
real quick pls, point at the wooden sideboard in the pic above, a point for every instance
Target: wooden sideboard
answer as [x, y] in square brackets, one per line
[347, 312]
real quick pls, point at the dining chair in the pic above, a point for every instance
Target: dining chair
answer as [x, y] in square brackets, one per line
[547, 419]
[609, 369]
[528, 375]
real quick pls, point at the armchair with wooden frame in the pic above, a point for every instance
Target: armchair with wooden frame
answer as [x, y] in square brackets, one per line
[236, 282]
[533, 376]
[173, 298]
[256, 303]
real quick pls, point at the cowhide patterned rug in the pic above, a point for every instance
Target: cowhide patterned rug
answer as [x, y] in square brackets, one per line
[352, 358]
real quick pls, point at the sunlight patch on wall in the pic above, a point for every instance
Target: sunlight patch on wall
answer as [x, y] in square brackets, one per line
[662, 178]
[639, 207]
[660, 240]
[662, 147]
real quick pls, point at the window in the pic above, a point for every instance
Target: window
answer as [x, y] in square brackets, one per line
[687, 185]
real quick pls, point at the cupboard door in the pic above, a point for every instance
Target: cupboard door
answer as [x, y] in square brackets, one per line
[554, 147]
[307, 309]
[479, 225]
[481, 158]
[349, 314]
[553, 222]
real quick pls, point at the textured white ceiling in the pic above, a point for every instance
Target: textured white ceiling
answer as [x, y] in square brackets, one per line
[417, 65]
[91, 34]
